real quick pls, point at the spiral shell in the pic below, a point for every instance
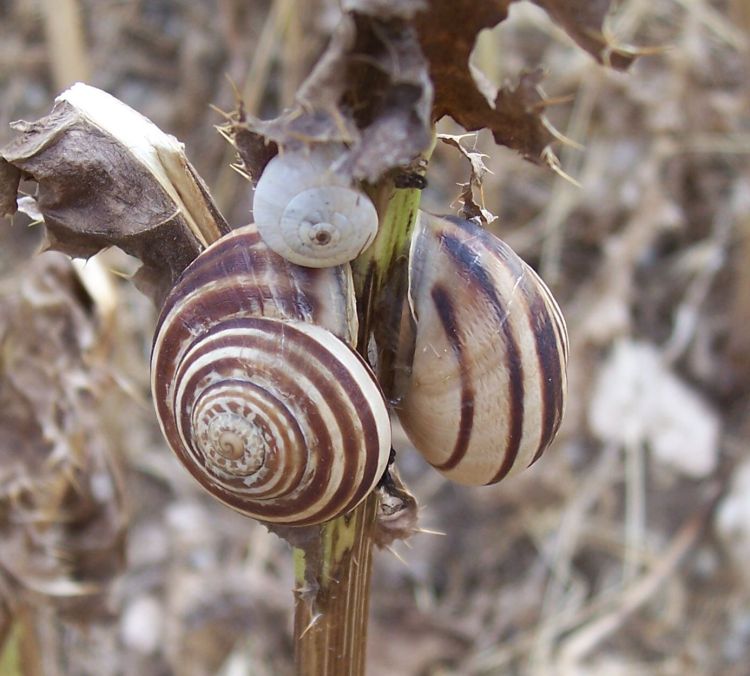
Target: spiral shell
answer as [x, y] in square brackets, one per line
[308, 213]
[269, 410]
[483, 354]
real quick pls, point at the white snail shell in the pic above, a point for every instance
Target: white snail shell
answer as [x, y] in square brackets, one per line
[483, 354]
[308, 213]
[269, 410]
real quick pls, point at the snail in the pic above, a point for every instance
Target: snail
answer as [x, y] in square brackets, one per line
[309, 213]
[256, 387]
[482, 354]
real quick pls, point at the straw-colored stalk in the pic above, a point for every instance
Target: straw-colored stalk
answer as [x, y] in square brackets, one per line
[332, 573]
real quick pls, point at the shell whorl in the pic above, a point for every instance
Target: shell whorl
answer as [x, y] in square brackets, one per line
[309, 213]
[270, 411]
[483, 354]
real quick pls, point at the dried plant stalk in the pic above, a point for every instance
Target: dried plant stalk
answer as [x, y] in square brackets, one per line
[330, 621]
[332, 569]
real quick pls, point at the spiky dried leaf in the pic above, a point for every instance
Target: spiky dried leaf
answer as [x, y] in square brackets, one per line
[448, 32]
[107, 176]
[584, 21]
[393, 68]
[470, 208]
[62, 518]
[370, 90]
[10, 178]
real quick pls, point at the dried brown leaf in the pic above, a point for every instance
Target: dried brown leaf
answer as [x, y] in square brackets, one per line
[109, 177]
[393, 68]
[583, 20]
[252, 148]
[470, 208]
[398, 512]
[62, 518]
[448, 31]
[10, 177]
[447, 34]
[369, 90]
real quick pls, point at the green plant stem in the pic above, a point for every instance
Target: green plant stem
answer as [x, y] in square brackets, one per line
[332, 570]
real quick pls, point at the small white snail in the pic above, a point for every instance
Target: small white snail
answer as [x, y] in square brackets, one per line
[483, 353]
[309, 213]
[258, 392]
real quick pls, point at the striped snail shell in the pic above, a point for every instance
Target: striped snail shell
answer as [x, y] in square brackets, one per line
[309, 213]
[257, 391]
[483, 354]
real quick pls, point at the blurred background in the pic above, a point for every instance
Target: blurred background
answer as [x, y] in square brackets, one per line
[623, 551]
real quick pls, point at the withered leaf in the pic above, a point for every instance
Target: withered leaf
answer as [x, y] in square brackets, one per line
[398, 511]
[253, 150]
[10, 177]
[107, 176]
[583, 20]
[392, 68]
[470, 208]
[369, 90]
[62, 516]
[448, 31]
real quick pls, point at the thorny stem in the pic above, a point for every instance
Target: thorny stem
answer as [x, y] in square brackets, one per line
[332, 573]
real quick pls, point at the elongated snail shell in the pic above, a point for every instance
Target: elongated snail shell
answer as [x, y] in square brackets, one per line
[483, 354]
[308, 213]
[257, 391]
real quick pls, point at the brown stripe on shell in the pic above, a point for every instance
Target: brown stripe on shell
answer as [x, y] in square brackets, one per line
[447, 314]
[545, 325]
[550, 370]
[203, 268]
[257, 490]
[238, 281]
[279, 507]
[367, 436]
[281, 479]
[279, 288]
[332, 384]
[244, 500]
[186, 324]
[469, 264]
[227, 298]
[287, 382]
[561, 328]
[330, 378]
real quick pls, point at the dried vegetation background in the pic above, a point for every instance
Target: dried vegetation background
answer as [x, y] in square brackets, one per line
[624, 551]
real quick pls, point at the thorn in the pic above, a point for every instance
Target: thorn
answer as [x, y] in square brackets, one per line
[397, 555]
[457, 138]
[235, 89]
[427, 531]
[554, 163]
[565, 140]
[612, 47]
[240, 170]
[227, 116]
[225, 134]
[311, 624]
[553, 101]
